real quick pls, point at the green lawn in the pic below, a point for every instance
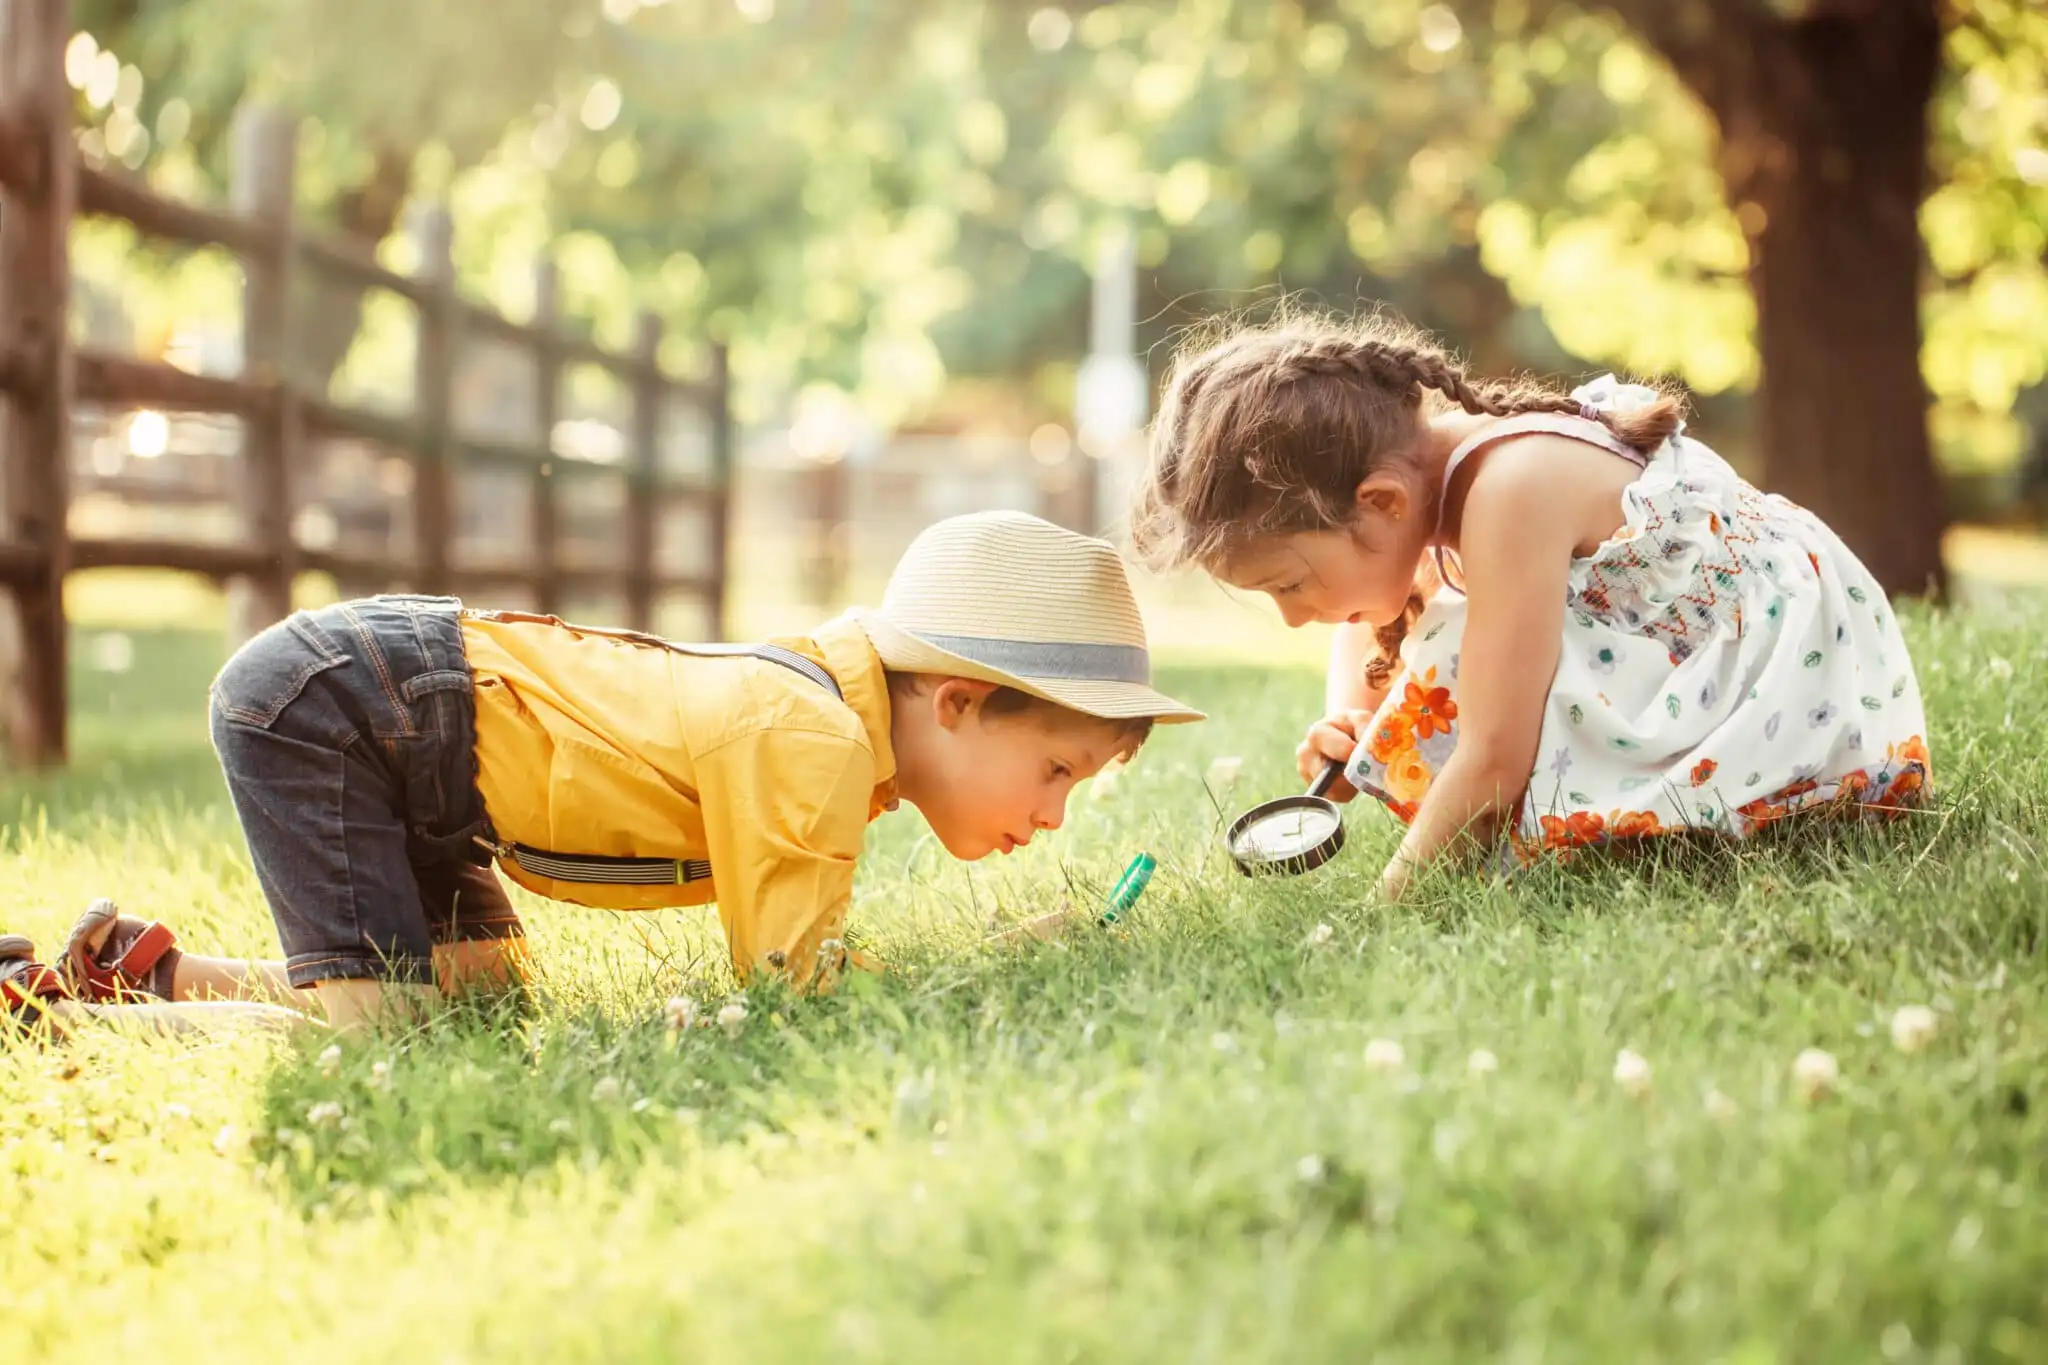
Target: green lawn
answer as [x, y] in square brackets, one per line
[1166, 1144]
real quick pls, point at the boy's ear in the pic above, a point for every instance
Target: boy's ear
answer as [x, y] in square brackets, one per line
[955, 699]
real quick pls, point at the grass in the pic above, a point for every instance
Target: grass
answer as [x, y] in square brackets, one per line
[1161, 1144]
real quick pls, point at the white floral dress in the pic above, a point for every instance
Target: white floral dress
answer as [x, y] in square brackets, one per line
[1726, 662]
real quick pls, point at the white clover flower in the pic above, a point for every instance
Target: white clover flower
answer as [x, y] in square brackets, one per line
[1814, 1073]
[1104, 782]
[329, 1062]
[680, 1012]
[1914, 1027]
[1223, 1042]
[561, 1127]
[1309, 1170]
[1717, 1105]
[1482, 1063]
[1320, 936]
[732, 1018]
[324, 1114]
[914, 1098]
[2001, 669]
[1223, 772]
[1384, 1054]
[606, 1090]
[1632, 1072]
[380, 1075]
[228, 1139]
[176, 1113]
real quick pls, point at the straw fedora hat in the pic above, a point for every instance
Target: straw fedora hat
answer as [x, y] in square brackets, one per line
[1006, 598]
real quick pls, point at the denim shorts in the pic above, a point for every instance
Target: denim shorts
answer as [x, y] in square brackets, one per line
[348, 739]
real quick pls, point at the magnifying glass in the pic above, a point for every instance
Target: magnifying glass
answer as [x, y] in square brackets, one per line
[1291, 835]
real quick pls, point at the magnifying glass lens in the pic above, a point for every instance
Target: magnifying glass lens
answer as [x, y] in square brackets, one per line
[1285, 834]
[1289, 836]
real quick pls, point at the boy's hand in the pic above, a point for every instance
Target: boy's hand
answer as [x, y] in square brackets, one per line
[1333, 738]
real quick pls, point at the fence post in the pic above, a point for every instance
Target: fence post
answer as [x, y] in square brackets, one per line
[433, 381]
[264, 176]
[547, 407]
[650, 390]
[720, 417]
[831, 489]
[35, 287]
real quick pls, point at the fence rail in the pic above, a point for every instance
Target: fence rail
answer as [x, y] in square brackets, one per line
[45, 186]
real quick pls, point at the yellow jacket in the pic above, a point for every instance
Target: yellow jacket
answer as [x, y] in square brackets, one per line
[591, 743]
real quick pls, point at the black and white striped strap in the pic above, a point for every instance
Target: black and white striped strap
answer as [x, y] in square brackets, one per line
[596, 869]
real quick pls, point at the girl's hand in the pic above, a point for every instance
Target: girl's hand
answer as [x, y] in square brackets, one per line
[1394, 879]
[1331, 739]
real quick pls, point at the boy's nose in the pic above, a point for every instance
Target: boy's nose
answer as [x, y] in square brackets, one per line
[1295, 615]
[1050, 817]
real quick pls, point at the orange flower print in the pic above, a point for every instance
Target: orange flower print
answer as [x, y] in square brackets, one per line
[1404, 811]
[1913, 750]
[1907, 785]
[1762, 812]
[1571, 831]
[1798, 789]
[1703, 772]
[1429, 710]
[1855, 784]
[1394, 733]
[1408, 777]
[1636, 824]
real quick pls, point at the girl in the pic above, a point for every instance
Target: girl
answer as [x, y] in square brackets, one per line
[1560, 618]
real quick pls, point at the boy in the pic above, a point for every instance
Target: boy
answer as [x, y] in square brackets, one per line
[384, 754]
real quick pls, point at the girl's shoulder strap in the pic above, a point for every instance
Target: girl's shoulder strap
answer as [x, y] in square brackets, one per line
[1587, 429]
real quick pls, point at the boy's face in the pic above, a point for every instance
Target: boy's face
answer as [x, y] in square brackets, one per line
[987, 784]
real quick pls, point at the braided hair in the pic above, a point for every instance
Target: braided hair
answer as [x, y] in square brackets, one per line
[1270, 430]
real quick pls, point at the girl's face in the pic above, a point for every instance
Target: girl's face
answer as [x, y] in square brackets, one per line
[1362, 573]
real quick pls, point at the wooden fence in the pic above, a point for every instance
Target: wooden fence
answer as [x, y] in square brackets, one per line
[44, 184]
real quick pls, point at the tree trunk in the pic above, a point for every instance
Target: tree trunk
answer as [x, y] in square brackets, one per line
[1824, 143]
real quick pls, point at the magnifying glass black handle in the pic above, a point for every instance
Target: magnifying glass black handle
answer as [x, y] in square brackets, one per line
[1332, 770]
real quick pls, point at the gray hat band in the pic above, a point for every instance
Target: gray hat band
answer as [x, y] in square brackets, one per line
[1072, 661]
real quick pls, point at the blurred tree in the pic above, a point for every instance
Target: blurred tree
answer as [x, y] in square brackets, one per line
[1822, 112]
[1752, 208]
[379, 83]
[1885, 165]
[872, 193]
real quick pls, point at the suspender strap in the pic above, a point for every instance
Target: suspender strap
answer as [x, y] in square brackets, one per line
[596, 869]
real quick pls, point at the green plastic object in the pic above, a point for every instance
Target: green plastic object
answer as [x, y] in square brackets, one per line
[1129, 887]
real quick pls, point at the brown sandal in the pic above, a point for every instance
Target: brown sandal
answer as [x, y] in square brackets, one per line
[137, 958]
[25, 983]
